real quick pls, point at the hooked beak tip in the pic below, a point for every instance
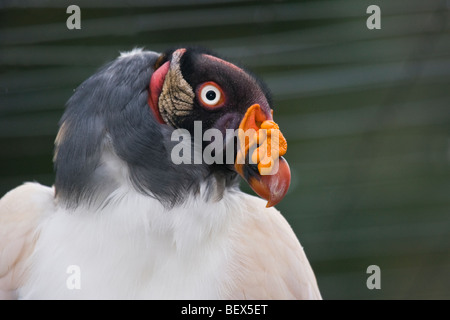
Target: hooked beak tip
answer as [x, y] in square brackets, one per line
[272, 188]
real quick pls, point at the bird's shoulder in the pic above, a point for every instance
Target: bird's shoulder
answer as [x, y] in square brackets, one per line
[21, 209]
[272, 263]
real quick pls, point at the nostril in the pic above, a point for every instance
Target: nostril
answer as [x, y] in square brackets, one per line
[227, 121]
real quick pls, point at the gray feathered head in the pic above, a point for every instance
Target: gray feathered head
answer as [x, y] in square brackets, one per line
[118, 126]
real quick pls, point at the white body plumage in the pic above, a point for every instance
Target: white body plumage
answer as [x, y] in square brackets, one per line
[135, 249]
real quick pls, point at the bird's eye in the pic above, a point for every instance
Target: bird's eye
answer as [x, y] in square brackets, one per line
[210, 95]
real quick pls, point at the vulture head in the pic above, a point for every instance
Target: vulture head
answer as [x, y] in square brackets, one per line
[124, 125]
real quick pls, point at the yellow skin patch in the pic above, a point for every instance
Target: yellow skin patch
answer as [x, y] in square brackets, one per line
[270, 142]
[272, 145]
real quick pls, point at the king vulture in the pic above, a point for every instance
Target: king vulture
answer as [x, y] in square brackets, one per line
[125, 221]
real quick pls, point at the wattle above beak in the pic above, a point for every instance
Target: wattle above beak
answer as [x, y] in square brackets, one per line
[259, 158]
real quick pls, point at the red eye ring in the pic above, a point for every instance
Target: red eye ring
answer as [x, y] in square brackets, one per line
[210, 95]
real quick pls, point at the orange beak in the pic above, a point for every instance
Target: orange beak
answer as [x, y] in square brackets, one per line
[259, 158]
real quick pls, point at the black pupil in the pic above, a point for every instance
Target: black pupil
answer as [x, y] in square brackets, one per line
[210, 95]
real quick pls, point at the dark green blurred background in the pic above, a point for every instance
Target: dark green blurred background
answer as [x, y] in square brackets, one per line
[366, 114]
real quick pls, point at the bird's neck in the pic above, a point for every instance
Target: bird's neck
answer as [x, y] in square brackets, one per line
[103, 181]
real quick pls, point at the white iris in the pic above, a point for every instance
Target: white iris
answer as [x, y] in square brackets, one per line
[210, 95]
